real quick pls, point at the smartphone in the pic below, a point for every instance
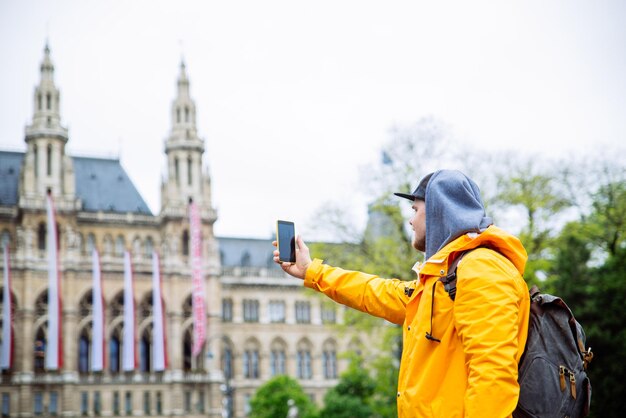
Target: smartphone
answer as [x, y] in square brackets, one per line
[286, 237]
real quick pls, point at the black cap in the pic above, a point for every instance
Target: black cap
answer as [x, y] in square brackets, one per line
[419, 192]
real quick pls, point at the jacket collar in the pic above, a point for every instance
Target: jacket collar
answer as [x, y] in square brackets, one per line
[494, 237]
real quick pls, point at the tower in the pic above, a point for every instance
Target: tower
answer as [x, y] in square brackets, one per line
[47, 168]
[185, 178]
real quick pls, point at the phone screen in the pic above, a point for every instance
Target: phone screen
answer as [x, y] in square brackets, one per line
[286, 236]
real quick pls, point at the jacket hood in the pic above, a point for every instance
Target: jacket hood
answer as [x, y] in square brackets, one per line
[453, 207]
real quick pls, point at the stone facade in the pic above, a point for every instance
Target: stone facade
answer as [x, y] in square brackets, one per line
[260, 322]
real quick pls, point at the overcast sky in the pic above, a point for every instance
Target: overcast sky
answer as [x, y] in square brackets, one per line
[295, 97]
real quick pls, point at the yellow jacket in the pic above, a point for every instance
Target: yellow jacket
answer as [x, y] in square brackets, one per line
[472, 372]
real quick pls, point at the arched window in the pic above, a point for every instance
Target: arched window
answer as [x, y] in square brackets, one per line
[108, 244]
[185, 242]
[251, 360]
[329, 360]
[39, 362]
[278, 358]
[36, 158]
[189, 171]
[177, 170]
[84, 348]
[191, 363]
[178, 115]
[41, 236]
[120, 245]
[115, 350]
[48, 101]
[49, 160]
[116, 313]
[91, 243]
[149, 247]
[145, 350]
[305, 370]
[227, 359]
[186, 114]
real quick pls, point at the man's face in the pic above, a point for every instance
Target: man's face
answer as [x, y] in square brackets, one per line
[418, 223]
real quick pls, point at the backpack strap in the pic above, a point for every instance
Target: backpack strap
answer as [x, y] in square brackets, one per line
[449, 281]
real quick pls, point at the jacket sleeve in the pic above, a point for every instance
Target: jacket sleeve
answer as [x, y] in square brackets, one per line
[487, 319]
[384, 298]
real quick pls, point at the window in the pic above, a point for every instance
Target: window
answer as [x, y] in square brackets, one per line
[116, 403]
[146, 403]
[6, 404]
[329, 313]
[48, 101]
[114, 353]
[329, 360]
[40, 351]
[185, 242]
[176, 171]
[303, 312]
[49, 160]
[277, 311]
[129, 403]
[227, 310]
[277, 362]
[186, 114]
[149, 246]
[303, 358]
[250, 310]
[200, 404]
[91, 243]
[187, 402]
[189, 170]
[120, 245]
[304, 364]
[159, 404]
[145, 363]
[41, 236]
[227, 362]
[97, 404]
[83, 352]
[36, 158]
[53, 405]
[84, 403]
[251, 364]
[38, 403]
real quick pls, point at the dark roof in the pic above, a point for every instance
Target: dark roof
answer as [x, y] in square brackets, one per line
[101, 184]
[247, 252]
[10, 165]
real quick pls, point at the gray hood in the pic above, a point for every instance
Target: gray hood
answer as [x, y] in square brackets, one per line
[453, 207]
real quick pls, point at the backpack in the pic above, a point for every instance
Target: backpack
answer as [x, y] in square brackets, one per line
[552, 371]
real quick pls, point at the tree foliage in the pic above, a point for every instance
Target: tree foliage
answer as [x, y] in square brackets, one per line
[352, 396]
[271, 399]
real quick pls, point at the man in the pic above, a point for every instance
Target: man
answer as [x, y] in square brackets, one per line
[460, 358]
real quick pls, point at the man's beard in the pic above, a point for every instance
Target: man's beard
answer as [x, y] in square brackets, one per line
[419, 245]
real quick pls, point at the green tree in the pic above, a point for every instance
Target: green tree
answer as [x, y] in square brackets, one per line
[589, 272]
[525, 185]
[271, 399]
[352, 396]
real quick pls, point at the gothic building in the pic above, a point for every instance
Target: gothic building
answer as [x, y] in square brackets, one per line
[260, 323]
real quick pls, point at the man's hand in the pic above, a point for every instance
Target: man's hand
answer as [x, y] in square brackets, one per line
[303, 259]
